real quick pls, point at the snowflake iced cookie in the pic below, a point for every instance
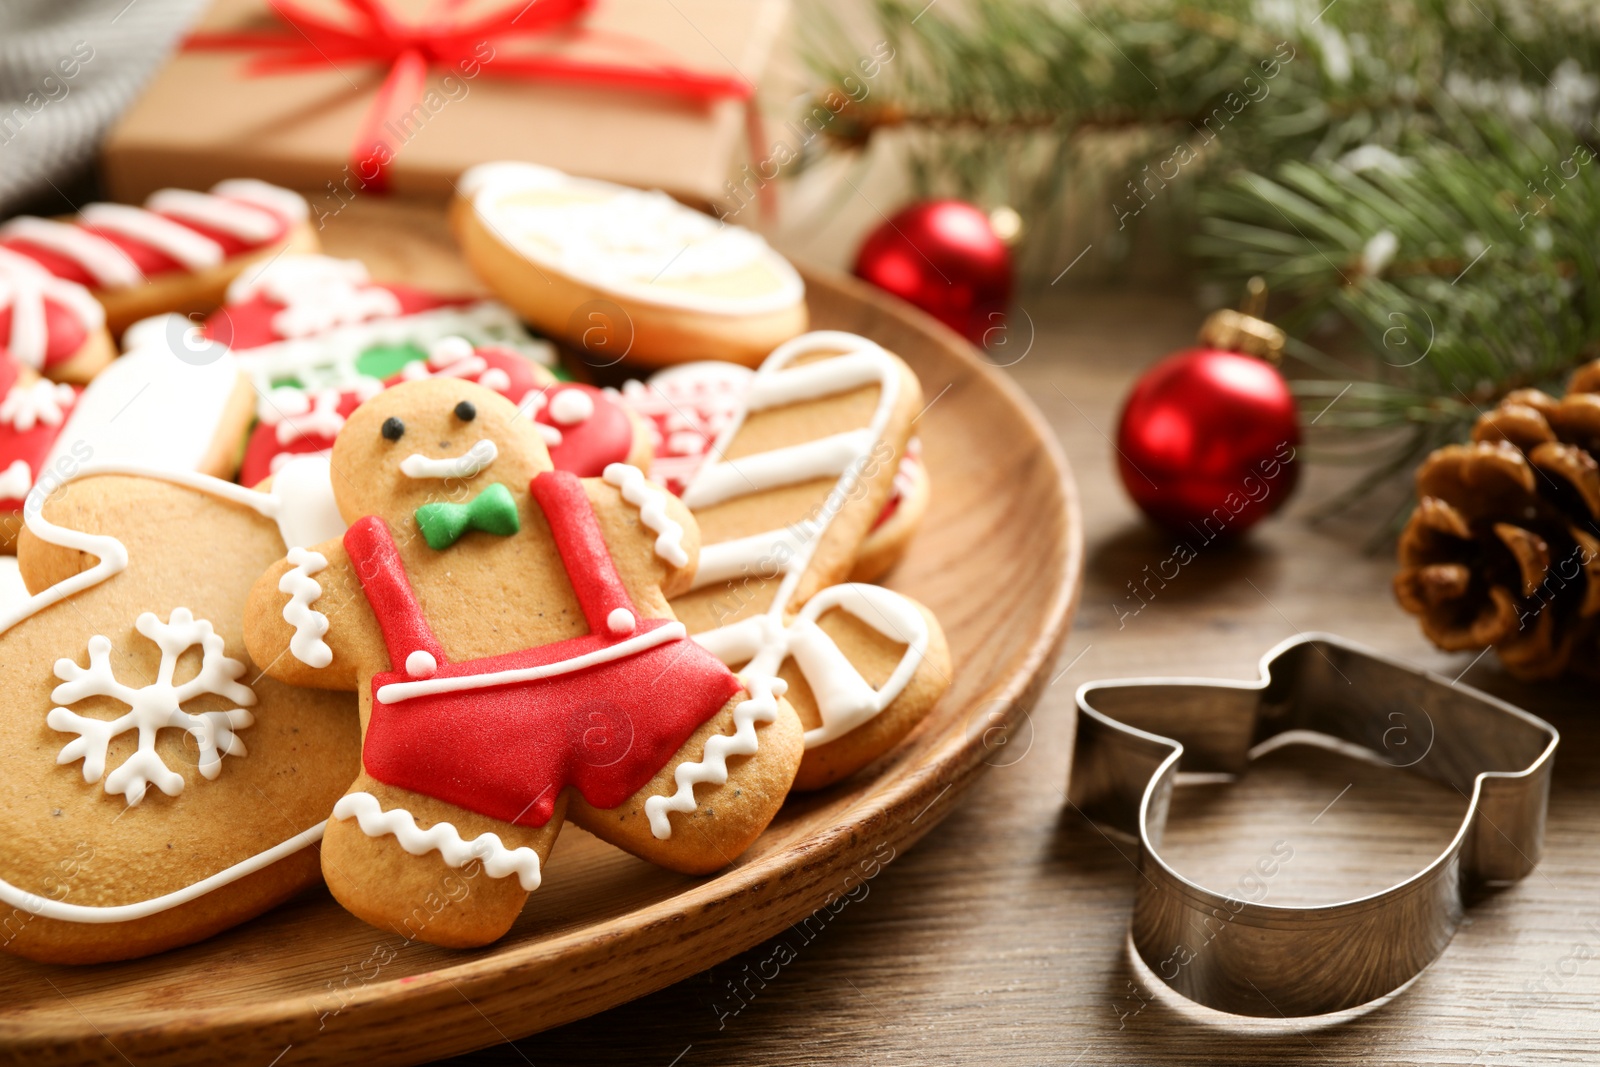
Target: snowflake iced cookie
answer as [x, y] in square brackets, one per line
[506, 628]
[161, 789]
[586, 429]
[176, 253]
[49, 324]
[688, 406]
[792, 490]
[623, 273]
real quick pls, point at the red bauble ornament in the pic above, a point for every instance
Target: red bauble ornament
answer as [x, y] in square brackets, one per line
[1208, 439]
[944, 257]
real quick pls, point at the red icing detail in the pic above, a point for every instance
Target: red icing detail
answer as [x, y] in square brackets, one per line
[30, 447]
[263, 446]
[508, 751]
[248, 323]
[65, 334]
[588, 447]
[56, 264]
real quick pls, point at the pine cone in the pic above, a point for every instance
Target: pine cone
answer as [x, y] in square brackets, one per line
[1504, 547]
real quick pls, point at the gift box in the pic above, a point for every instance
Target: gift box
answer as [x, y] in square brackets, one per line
[368, 96]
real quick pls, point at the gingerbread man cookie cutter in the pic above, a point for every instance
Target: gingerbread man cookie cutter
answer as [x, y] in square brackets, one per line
[1135, 736]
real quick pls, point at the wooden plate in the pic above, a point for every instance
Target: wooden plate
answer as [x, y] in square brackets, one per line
[999, 560]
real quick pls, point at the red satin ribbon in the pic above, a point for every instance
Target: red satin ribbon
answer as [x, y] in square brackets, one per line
[409, 50]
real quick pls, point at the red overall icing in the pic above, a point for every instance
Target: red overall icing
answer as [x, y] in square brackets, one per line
[151, 261]
[30, 447]
[248, 323]
[588, 447]
[65, 333]
[507, 752]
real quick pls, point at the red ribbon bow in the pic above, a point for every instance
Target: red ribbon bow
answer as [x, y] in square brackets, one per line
[409, 50]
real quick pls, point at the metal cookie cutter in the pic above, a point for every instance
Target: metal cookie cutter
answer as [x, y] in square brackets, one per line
[1247, 958]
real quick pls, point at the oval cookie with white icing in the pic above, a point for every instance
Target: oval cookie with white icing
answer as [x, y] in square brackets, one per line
[622, 273]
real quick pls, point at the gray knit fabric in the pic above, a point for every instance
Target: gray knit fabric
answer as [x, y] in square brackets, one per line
[68, 69]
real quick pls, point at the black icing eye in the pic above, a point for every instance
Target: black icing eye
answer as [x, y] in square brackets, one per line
[393, 429]
[465, 411]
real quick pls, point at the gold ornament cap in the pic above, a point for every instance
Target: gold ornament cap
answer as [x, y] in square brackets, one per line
[1244, 330]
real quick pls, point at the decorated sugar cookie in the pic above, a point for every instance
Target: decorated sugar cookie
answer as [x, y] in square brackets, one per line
[506, 628]
[586, 429]
[793, 486]
[33, 411]
[160, 788]
[687, 407]
[898, 522]
[625, 274]
[316, 322]
[176, 253]
[148, 407]
[49, 324]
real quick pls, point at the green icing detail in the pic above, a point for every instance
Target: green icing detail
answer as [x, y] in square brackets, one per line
[386, 360]
[492, 511]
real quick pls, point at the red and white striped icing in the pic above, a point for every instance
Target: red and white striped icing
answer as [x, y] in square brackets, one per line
[118, 246]
[43, 319]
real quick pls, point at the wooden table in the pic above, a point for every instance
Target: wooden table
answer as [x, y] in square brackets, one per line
[1001, 938]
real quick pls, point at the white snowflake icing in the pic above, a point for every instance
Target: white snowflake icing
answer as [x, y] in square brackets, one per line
[153, 707]
[26, 406]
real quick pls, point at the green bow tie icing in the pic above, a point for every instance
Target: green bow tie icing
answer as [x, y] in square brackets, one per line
[492, 511]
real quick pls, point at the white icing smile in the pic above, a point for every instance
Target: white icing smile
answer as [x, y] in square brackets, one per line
[471, 462]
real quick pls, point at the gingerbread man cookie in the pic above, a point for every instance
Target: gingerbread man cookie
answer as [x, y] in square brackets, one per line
[794, 485]
[506, 627]
[159, 789]
[624, 273]
[177, 253]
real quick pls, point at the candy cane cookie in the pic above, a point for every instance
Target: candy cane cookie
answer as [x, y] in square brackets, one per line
[792, 488]
[49, 324]
[177, 253]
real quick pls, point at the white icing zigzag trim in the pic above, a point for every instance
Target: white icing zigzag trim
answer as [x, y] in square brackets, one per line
[652, 504]
[713, 767]
[441, 837]
[309, 624]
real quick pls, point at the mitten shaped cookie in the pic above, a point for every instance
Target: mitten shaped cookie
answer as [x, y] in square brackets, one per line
[796, 482]
[507, 629]
[157, 788]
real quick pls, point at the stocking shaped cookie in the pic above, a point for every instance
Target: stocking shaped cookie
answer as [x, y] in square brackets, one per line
[158, 789]
[506, 627]
[793, 487]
